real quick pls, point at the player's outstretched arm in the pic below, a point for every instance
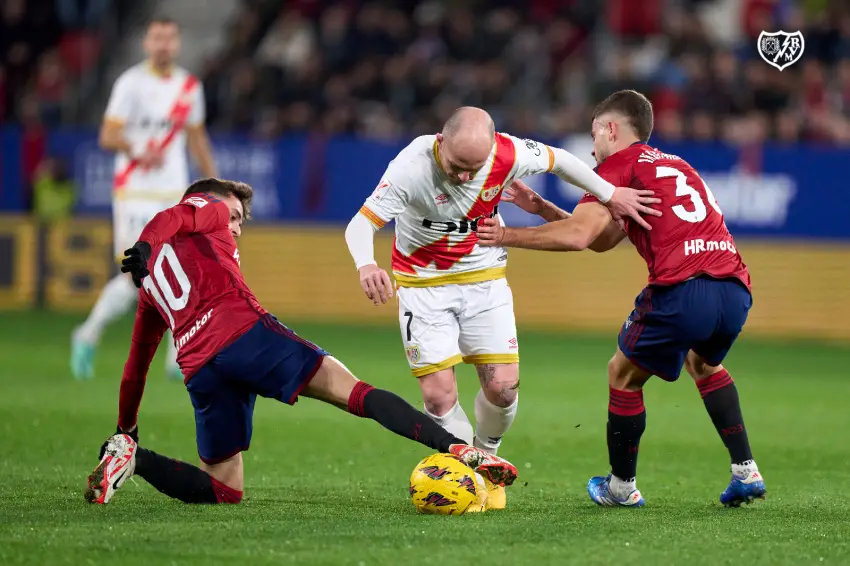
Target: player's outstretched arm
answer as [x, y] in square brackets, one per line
[530, 201]
[623, 202]
[148, 330]
[572, 234]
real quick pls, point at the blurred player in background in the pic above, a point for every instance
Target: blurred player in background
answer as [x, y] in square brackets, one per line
[454, 302]
[155, 110]
[231, 350]
[691, 312]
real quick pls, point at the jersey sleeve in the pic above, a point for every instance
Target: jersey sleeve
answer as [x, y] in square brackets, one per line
[615, 171]
[120, 104]
[389, 198]
[198, 113]
[532, 157]
[196, 214]
[148, 330]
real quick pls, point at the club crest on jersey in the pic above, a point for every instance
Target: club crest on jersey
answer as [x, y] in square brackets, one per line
[781, 49]
[489, 194]
[196, 201]
[413, 353]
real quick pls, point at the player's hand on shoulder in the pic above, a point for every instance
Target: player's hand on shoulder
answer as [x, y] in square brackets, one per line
[523, 196]
[135, 262]
[490, 232]
[633, 203]
[134, 434]
[376, 283]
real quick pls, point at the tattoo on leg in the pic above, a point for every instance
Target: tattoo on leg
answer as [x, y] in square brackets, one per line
[486, 373]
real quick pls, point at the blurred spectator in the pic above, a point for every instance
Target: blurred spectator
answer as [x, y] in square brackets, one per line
[50, 88]
[81, 14]
[54, 194]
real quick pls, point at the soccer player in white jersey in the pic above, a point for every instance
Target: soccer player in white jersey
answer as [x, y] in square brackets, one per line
[454, 301]
[155, 111]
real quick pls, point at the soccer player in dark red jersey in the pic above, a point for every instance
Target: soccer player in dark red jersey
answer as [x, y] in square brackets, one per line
[690, 313]
[230, 350]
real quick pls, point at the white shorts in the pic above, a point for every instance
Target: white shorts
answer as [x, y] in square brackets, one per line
[131, 214]
[443, 326]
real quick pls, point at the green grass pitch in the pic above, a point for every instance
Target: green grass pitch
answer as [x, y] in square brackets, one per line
[323, 487]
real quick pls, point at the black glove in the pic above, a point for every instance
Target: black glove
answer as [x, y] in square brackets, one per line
[134, 435]
[135, 262]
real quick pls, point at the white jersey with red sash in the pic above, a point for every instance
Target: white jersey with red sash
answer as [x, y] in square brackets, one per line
[154, 110]
[435, 219]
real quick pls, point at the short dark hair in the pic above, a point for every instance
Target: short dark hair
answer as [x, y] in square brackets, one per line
[632, 105]
[224, 188]
[163, 21]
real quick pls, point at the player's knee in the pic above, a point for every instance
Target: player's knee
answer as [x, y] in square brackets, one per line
[623, 375]
[500, 383]
[439, 392]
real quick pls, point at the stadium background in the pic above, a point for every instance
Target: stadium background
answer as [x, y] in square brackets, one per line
[308, 100]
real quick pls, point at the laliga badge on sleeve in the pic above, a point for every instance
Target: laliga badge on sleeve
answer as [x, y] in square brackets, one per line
[781, 48]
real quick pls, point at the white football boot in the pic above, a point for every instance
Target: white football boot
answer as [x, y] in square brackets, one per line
[117, 465]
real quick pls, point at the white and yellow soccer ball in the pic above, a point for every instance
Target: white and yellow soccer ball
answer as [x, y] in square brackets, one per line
[443, 485]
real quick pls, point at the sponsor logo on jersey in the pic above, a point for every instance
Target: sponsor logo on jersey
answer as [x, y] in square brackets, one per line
[380, 190]
[533, 146]
[781, 49]
[413, 353]
[180, 342]
[442, 198]
[196, 201]
[699, 245]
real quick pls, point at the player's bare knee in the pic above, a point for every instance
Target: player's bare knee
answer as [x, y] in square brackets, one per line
[332, 383]
[499, 382]
[439, 391]
[623, 375]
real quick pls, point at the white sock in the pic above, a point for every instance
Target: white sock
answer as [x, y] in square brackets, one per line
[115, 299]
[455, 421]
[492, 422]
[744, 469]
[621, 488]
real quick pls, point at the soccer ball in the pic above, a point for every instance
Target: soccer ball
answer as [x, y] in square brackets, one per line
[443, 485]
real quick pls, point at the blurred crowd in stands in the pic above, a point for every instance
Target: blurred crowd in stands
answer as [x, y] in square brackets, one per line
[390, 69]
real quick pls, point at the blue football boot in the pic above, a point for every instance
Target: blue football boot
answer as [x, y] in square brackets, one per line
[745, 486]
[599, 490]
[82, 358]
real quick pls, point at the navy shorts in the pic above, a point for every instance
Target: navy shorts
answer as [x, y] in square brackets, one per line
[702, 314]
[269, 360]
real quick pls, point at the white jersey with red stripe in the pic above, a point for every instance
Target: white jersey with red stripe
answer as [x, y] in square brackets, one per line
[155, 110]
[435, 241]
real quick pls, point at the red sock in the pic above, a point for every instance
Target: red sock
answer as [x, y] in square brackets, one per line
[626, 423]
[358, 395]
[713, 382]
[225, 493]
[720, 397]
